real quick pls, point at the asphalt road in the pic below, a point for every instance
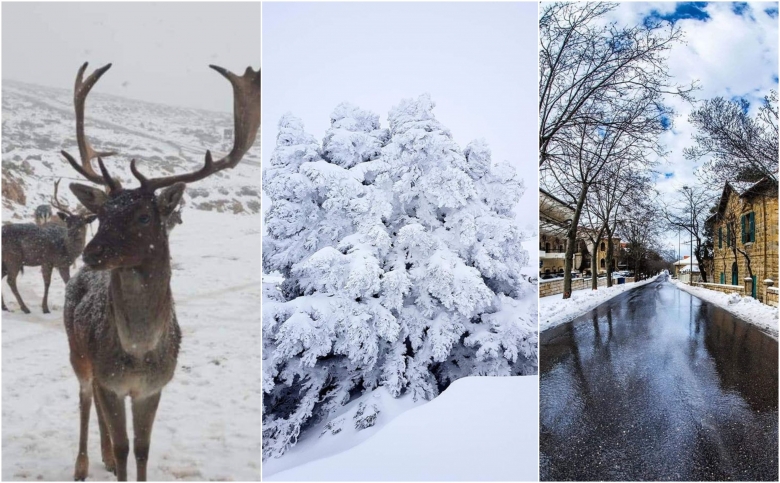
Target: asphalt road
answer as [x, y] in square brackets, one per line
[656, 384]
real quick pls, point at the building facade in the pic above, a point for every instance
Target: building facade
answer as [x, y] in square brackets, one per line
[554, 219]
[745, 229]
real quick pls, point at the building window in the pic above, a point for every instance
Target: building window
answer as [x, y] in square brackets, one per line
[734, 274]
[722, 278]
[728, 234]
[603, 263]
[720, 237]
[748, 222]
[602, 246]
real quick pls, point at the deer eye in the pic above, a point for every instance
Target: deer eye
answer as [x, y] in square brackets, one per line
[144, 219]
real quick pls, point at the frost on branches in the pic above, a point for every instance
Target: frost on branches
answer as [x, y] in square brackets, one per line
[401, 261]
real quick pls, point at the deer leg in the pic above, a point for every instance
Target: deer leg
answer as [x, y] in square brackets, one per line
[106, 449]
[12, 283]
[144, 411]
[5, 272]
[85, 405]
[46, 271]
[113, 408]
[64, 273]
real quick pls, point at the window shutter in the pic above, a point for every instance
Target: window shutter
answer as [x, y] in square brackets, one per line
[742, 220]
[753, 226]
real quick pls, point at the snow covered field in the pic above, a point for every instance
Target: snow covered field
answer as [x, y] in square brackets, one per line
[208, 423]
[554, 310]
[746, 308]
[479, 429]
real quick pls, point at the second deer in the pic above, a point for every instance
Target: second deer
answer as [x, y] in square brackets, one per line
[49, 246]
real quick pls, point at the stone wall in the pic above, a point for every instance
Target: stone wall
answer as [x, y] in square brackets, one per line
[740, 289]
[771, 296]
[555, 286]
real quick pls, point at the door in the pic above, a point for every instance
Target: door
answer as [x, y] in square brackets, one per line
[734, 274]
[754, 287]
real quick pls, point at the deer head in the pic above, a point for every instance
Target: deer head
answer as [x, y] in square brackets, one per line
[73, 221]
[132, 227]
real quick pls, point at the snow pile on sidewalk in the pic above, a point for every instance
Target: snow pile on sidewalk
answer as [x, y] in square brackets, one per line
[208, 422]
[479, 429]
[748, 309]
[554, 310]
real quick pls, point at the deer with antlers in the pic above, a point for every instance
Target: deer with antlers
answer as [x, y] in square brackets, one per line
[49, 246]
[119, 310]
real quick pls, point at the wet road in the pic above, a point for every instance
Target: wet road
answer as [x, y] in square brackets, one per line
[656, 384]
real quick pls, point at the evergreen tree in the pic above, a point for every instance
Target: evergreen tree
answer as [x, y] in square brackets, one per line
[401, 260]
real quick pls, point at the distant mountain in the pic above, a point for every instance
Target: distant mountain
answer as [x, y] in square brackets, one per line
[38, 122]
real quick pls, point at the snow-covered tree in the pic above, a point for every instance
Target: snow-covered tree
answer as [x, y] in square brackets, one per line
[402, 265]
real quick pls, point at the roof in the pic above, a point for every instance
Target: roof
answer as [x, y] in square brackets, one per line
[743, 189]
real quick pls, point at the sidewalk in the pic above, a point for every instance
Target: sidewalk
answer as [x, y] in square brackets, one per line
[554, 310]
[746, 308]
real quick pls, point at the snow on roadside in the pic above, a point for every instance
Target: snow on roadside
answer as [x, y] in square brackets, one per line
[208, 423]
[763, 316]
[479, 429]
[554, 310]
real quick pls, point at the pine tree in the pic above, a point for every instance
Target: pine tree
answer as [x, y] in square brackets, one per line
[401, 260]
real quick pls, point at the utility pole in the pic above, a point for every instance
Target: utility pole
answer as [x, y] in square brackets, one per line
[690, 261]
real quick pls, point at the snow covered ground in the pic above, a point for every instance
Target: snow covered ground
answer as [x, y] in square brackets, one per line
[479, 429]
[208, 423]
[554, 310]
[748, 309]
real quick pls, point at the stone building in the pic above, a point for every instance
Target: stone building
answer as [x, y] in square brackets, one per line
[745, 230]
[554, 219]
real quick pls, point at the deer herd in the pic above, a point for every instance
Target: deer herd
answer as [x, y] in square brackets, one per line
[119, 312]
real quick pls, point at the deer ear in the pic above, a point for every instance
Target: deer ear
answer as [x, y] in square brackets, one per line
[90, 219]
[91, 198]
[63, 216]
[169, 198]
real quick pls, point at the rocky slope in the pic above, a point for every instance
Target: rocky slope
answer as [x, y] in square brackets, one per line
[38, 122]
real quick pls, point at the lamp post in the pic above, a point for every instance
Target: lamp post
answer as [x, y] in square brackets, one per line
[690, 263]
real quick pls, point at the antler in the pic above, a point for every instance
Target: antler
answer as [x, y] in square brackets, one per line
[86, 152]
[246, 118]
[55, 202]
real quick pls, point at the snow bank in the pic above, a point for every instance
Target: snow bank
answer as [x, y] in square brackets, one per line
[479, 429]
[209, 419]
[554, 310]
[750, 310]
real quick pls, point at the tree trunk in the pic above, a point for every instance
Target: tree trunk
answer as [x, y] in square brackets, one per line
[609, 257]
[571, 241]
[594, 278]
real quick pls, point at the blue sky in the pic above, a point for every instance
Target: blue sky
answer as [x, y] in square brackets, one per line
[478, 61]
[731, 49]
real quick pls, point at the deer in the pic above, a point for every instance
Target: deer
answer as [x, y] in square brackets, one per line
[42, 214]
[120, 316]
[49, 246]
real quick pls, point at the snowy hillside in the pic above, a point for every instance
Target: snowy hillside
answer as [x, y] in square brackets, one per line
[479, 429]
[38, 122]
[208, 423]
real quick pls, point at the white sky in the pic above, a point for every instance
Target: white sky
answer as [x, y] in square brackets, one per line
[477, 60]
[731, 55]
[160, 51]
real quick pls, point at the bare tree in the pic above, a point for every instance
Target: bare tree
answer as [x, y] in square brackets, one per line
[589, 66]
[688, 212]
[740, 147]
